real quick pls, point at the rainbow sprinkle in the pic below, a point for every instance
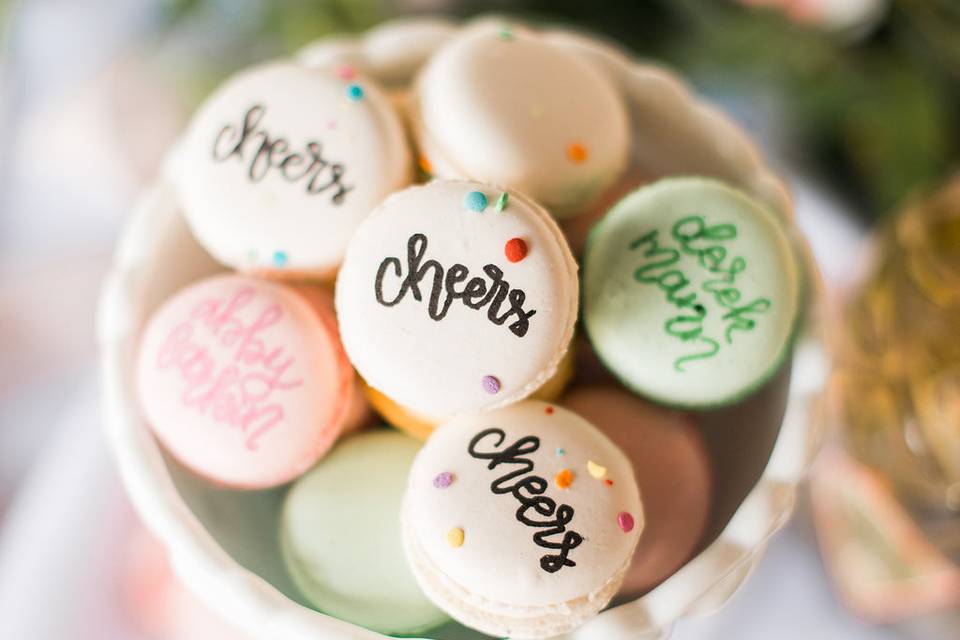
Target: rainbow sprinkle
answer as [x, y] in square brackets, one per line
[490, 384]
[475, 201]
[625, 520]
[596, 470]
[443, 480]
[355, 92]
[455, 537]
[502, 202]
[280, 258]
[564, 478]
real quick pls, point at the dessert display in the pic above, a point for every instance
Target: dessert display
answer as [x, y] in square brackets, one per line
[341, 540]
[521, 522]
[513, 482]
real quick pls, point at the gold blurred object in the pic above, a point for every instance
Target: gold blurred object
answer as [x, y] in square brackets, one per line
[898, 378]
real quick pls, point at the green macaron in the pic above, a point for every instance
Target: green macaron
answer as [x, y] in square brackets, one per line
[341, 541]
[691, 292]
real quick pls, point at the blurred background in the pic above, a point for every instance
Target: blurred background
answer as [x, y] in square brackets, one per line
[856, 103]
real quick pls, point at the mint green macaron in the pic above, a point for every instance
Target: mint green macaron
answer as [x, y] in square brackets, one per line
[340, 536]
[691, 292]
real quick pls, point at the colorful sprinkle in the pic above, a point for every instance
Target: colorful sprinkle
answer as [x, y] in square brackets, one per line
[506, 33]
[425, 165]
[490, 384]
[608, 482]
[502, 202]
[577, 152]
[279, 258]
[596, 470]
[625, 520]
[346, 72]
[355, 92]
[455, 537]
[475, 201]
[561, 451]
[564, 478]
[443, 480]
[548, 411]
[515, 249]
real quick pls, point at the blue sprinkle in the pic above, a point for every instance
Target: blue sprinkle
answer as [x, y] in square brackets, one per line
[561, 452]
[279, 258]
[355, 92]
[475, 201]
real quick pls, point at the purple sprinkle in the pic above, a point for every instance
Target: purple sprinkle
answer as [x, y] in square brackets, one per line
[490, 384]
[443, 480]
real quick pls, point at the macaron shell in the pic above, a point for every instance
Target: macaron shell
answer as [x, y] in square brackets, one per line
[420, 427]
[672, 468]
[249, 169]
[243, 381]
[508, 107]
[658, 347]
[439, 367]
[499, 561]
[341, 541]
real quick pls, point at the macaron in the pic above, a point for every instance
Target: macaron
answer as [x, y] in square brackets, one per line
[245, 381]
[421, 427]
[457, 296]
[340, 536]
[672, 468]
[691, 292]
[281, 164]
[521, 522]
[504, 105]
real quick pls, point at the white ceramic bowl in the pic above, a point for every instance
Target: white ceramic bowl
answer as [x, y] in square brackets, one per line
[222, 544]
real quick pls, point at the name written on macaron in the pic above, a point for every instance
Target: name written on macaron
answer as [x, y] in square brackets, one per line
[264, 155]
[528, 489]
[242, 389]
[705, 243]
[478, 292]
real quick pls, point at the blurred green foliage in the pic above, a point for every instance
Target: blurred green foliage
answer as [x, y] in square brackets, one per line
[875, 111]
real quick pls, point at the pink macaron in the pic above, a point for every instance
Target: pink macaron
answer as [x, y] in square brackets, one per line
[672, 469]
[245, 381]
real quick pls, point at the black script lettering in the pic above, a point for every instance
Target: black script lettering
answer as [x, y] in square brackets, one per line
[443, 283]
[252, 144]
[529, 491]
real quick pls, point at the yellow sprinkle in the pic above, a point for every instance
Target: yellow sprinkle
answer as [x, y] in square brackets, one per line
[564, 479]
[596, 470]
[455, 537]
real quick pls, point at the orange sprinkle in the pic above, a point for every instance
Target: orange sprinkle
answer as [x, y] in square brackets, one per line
[425, 164]
[548, 411]
[577, 152]
[564, 478]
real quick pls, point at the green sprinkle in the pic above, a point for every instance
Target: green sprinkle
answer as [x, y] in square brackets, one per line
[506, 33]
[502, 202]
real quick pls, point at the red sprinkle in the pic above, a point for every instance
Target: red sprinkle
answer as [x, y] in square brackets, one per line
[625, 520]
[549, 411]
[516, 249]
[608, 482]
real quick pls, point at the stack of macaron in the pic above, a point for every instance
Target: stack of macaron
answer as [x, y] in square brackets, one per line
[397, 348]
